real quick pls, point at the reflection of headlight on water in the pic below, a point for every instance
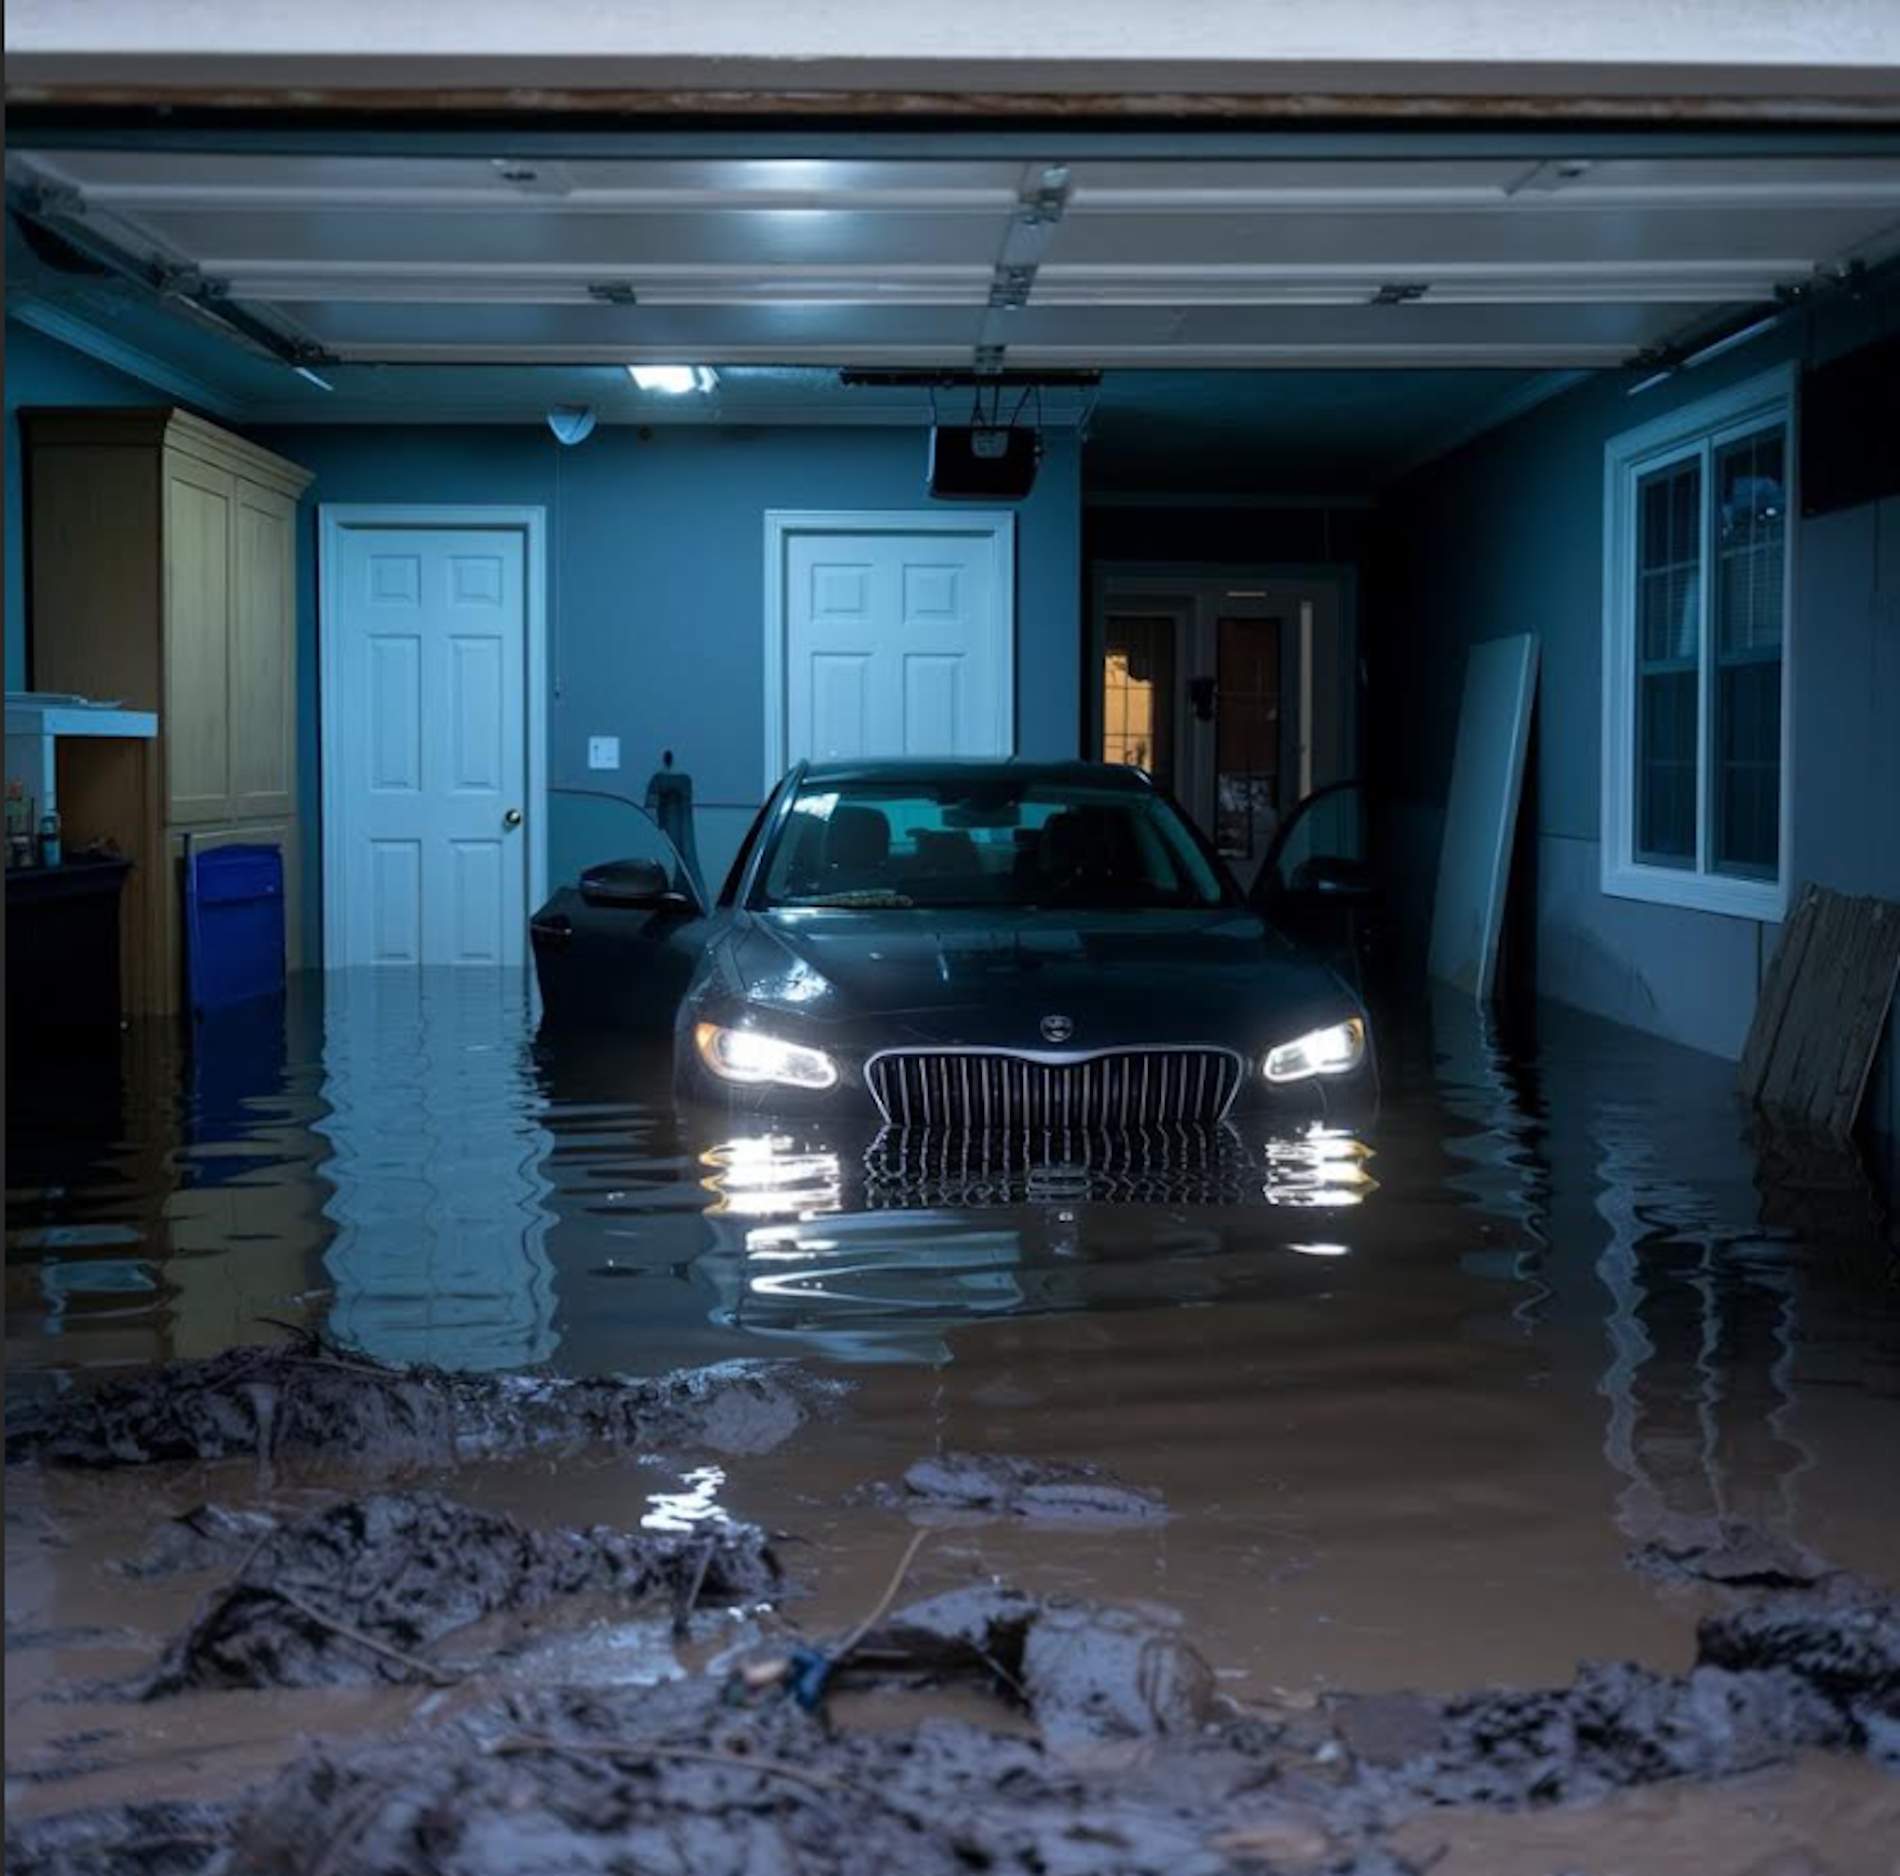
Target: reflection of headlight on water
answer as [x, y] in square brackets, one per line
[767, 1177]
[856, 1263]
[1323, 1166]
[695, 1505]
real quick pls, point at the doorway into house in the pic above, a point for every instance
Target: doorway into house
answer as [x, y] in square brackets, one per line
[431, 628]
[1233, 689]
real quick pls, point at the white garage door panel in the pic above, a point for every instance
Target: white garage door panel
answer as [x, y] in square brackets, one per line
[430, 741]
[885, 259]
[896, 643]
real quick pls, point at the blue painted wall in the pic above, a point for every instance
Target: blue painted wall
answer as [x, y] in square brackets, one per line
[656, 604]
[1506, 536]
[657, 582]
[40, 370]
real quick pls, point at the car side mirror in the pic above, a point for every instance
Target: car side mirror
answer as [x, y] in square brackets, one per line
[634, 886]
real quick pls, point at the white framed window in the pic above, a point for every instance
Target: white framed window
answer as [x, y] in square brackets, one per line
[1697, 575]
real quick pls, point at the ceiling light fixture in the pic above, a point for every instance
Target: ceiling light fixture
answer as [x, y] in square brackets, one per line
[571, 423]
[311, 377]
[1730, 340]
[673, 380]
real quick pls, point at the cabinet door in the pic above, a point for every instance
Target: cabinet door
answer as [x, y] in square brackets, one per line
[195, 725]
[263, 655]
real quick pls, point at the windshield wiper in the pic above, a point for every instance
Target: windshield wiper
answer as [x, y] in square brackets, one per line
[867, 899]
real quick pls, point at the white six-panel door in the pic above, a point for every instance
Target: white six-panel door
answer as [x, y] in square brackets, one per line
[426, 699]
[894, 637]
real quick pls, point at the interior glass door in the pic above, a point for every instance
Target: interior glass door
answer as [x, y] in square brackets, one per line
[1240, 700]
[1248, 736]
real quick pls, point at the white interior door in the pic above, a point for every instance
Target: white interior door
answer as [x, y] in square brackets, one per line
[896, 642]
[426, 686]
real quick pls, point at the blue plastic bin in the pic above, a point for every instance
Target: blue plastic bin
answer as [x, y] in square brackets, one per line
[234, 924]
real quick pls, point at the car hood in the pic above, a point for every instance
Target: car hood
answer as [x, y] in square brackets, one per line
[887, 979]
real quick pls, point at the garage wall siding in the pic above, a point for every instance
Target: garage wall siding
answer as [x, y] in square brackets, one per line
[1505, 536]
[657, 590]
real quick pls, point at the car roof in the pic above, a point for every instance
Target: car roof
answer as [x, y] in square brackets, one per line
[945, 769]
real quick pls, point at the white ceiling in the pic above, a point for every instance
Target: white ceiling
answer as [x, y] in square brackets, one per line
[1482, 261]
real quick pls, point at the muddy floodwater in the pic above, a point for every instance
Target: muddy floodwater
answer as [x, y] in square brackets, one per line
[1561, 1357]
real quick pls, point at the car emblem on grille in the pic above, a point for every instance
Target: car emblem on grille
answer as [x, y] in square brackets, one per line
[1057, 1028]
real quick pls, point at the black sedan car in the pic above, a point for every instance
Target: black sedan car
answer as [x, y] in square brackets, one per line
[967, 945]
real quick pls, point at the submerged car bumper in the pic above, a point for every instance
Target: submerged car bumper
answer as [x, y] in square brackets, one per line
[982, 1090]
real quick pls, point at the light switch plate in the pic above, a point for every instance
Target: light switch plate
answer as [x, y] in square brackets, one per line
[603, 752]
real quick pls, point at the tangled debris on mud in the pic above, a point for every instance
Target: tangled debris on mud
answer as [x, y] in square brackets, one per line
[706, 1774]
[354, 1593]
[308, 1397]
[1084, 1671]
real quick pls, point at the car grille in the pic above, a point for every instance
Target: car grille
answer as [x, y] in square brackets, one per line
[1190, 1164]
[987, 1092]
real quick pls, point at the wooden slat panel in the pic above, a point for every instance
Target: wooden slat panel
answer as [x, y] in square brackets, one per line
[1822, 1010]
[1869, 989]
[1771, 1006]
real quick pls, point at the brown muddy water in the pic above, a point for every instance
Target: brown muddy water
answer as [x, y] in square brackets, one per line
[1411, 1400]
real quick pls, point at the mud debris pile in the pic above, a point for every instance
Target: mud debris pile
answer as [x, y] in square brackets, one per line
[1001, 1485]
[359, 1591]
[1113, 1750]
[310, 1397]
[692, 1776]
[1083, 1671]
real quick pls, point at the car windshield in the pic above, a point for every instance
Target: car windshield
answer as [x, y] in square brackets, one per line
[998, 841]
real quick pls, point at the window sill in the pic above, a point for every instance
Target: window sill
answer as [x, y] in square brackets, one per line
[1759, 899]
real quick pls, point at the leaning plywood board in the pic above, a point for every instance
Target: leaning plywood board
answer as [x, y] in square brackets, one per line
[1821, 1011]
[1487, 778]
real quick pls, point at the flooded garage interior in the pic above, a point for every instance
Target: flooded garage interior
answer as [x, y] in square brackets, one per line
[1508, 1383]
[442, 1442]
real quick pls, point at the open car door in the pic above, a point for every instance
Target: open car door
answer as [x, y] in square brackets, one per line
[616, 947]
[1317, 882]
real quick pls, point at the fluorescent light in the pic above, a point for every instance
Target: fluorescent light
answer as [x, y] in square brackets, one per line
[673, 379]
[310, 377]
[1729, 340]
[1650, 383]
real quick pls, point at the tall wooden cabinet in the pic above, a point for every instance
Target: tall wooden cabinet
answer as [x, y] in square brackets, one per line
[163, 575]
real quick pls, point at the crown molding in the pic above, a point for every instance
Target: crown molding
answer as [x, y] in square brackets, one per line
[82, 336]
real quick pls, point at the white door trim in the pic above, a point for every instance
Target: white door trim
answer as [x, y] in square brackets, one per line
[333, 518]
[782, 523]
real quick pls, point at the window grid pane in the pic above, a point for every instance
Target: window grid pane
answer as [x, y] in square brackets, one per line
[1669, 656]
[1750, 534]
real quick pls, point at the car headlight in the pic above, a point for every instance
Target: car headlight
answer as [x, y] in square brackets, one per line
[1334, 1051]
[746, 1056]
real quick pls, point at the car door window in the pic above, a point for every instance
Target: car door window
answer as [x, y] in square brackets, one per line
[729, 892]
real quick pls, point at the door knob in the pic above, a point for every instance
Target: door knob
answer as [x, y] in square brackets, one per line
[512, 818]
